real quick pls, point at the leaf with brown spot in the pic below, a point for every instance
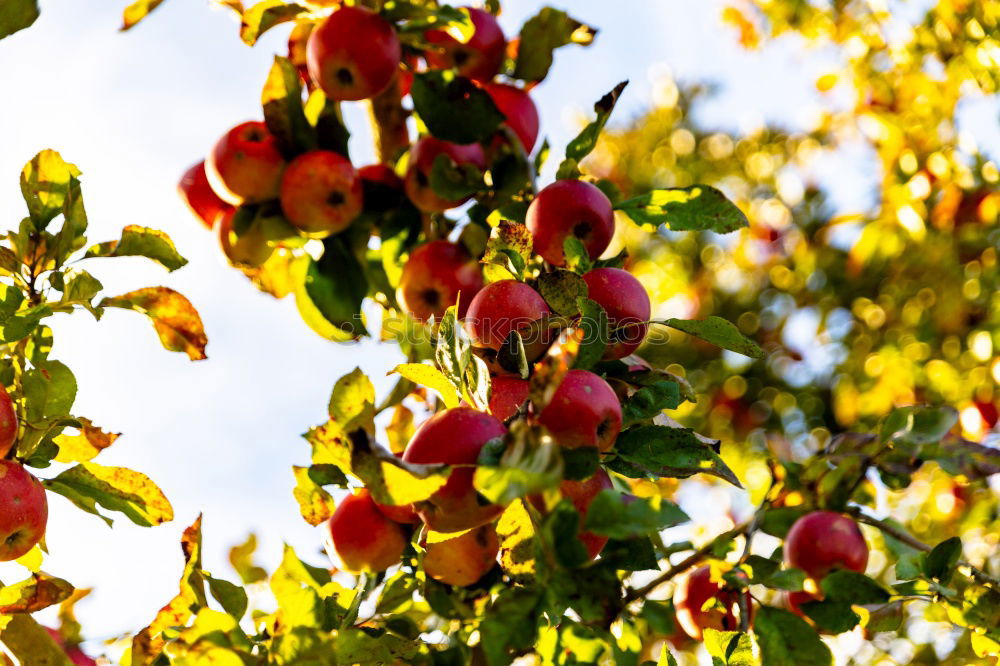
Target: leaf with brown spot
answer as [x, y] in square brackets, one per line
[85, 445]
[88, 485]
[549, 371]
[315, 504]
[174, 318]
[137, 241]
[507, 241]
[148, 643]
[33, 594]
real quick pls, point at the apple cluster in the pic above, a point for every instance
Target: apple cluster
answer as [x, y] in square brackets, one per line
[24, 510]
[354, 54]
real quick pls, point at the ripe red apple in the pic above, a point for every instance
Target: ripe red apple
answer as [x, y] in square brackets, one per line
[501, 307]
[382, 187]
[690, 598]
[627, 304]
[418, 172]
[581, 494]
[583, 412]
[24, 511]
[462, 561]
[404, 514]
[353, 54]
[198, 194]
[822, 541]
[361, 537]
[321, 193]
[455, 437]
[8, 423]
[245, 165]
[479, 58]
[570, 208]
[435, 275]
[521, 112]
[508, 394]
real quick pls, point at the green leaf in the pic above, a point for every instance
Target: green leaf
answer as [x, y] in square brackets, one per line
[453, 108]
[614, 515]
[777, 522]
[282, 101]
[510, 624]
[139, 241]
[355, 646]
[512, 356]
[580, 463]
[336, 285]
[561, 290]
[232, 598]
[586, 140]
[729, 648]
[137, 11]
[649, 401]
[630, 555]
[853, 588]
[787, 640]
[918, 425]
[455, 182]
[10, 300]
[49, 392]
[22, 324]
[695, 208]
[115, 489]
[560, 530]
[541, 35]
[47, 183]
[17, 15]
[658, 451]
[942, 560]
[833, 616]
[594, 323]
[719, 332]
[476, 383]
[263, 16]
[76, 285]
[453, 349]
[577, 256]
[790, 580]
[528, 465]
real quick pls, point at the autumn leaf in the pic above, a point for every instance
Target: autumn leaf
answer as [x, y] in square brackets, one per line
[174, 318]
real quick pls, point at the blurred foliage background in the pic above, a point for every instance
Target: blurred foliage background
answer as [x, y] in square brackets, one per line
[861, 310]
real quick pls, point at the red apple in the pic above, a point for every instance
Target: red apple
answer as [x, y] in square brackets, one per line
[382, 187]
[8, 423]
[479, 58]
[570, 208]
[418, 173]
[404, 514]
[24, 511]
[627, 304]
[507, 396]
[581, 494]
[822, 541]
[521, 113]
[455, 437]
[200, 197]
[76, 656]
[583, 412]
[353, 54]
[435, 275]
[321, 193]
[245, 165]
[694, 592]
[502, 307]
[361, 538]
[462, 561]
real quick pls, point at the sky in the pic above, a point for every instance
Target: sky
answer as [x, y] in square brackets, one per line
[133, 111]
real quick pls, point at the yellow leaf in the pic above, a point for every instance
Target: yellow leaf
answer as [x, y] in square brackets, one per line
[315, 504]
[517, 541]
[84, 446]
[33, 594]
[405, 488]
[431, 377]
[32, 560]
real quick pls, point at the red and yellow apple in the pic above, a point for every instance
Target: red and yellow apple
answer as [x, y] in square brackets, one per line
[321, 193]
[198, 194]
[693, 594]
[463, 560]
[360, 538]
[435, 275]
[24, 510]
[455, 437]
[245, 165]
